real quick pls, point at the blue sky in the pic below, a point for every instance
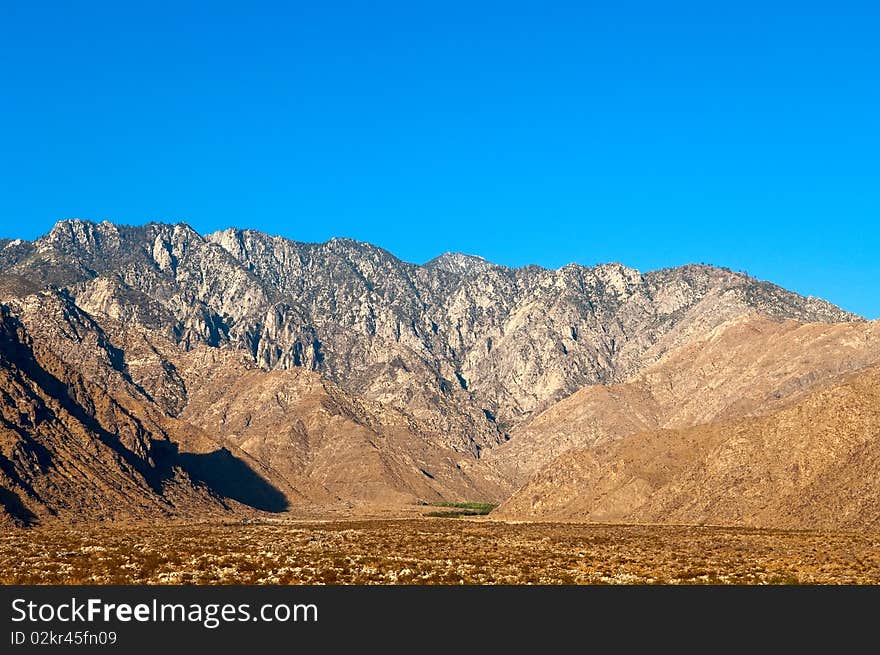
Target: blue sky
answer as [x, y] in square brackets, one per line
[649, 133]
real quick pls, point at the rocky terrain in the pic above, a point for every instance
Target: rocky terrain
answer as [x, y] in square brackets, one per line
[94, 431]
[473, 347]
[155, 372]
[435, 551]
[68, 447]
[749, 366]
[815, 462]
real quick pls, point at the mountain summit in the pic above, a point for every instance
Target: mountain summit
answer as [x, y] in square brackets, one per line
[458, 263]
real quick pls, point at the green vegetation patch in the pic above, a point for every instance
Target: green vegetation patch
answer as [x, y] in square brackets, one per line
[462, 509]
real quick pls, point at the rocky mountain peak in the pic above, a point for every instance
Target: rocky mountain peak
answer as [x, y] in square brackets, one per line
[77, 234]
[469, 345]
[459, 263]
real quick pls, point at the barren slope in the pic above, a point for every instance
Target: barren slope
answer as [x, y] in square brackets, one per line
[813, 464]
[70, 450]
[747, 366]
[331, 446]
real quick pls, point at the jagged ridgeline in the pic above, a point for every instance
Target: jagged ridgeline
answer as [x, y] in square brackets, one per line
[472, 346]
[369, 379]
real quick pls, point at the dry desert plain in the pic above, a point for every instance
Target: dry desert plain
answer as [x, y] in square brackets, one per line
[434, 551]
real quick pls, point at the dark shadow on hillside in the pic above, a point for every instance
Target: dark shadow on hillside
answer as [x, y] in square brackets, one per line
[21, 354]
[221, 472]
[16, 509]
[225, 475]
[229, 477]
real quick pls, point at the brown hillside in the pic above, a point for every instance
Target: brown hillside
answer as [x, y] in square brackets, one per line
[745, 367]
[813, 464]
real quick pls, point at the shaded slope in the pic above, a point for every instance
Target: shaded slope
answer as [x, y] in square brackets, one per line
[57, 459]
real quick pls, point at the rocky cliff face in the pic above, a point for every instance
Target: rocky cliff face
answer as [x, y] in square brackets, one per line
[468, 346]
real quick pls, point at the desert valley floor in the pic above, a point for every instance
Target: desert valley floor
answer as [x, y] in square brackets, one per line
[434, 551]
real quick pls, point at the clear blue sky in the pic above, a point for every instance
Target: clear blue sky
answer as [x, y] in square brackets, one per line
[744, 134]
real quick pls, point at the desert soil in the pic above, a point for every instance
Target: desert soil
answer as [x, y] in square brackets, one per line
[434, 551]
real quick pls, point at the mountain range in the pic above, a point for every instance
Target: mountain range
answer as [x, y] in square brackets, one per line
[152, 372]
